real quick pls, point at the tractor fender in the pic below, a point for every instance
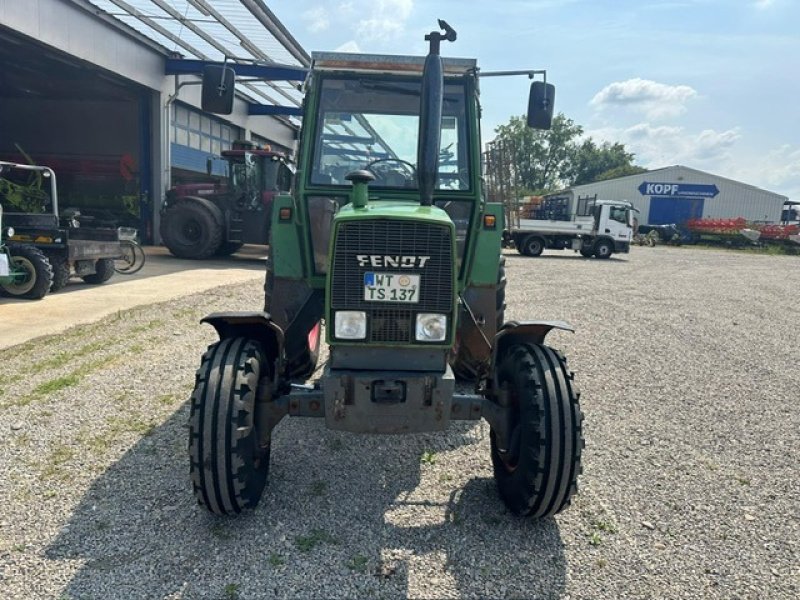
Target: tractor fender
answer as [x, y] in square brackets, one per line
[515, 332]
[253, 325]
[205, 203]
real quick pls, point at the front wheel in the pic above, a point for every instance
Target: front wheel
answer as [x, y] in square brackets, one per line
[32, 274]
[227, 464]
[537, 474]
[603, 249]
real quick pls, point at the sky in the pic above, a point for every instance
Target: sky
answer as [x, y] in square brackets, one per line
[709, 84]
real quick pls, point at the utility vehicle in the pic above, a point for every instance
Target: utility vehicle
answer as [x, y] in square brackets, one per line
[24, 274]
[86, 252]
[388, 239]
[199, 220]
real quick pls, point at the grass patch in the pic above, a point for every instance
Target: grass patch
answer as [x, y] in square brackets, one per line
[428, 458]
[306, 543]
[231, 591]
[117, 427]
[63, 358]
[318, 488]
[147, 326]
[357, 563]
[595, 539]
[276, 560]
[59, 456]
[60, 383]
[606, 526]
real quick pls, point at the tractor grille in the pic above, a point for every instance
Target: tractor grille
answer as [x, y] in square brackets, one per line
[392, 322]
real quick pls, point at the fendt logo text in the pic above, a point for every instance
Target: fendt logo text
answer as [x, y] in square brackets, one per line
[382, 260]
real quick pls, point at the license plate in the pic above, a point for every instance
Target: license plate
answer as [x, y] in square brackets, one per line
[4, 268]
[391, 287]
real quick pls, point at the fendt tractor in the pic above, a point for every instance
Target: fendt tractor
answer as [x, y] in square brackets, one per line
[388, 240]
[199, 220]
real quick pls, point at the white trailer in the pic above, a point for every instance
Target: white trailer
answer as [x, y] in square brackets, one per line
[597, 228]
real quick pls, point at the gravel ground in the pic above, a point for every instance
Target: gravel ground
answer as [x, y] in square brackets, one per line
[687, 360]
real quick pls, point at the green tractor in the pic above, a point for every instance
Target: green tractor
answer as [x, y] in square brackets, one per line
[25, 272]
[388, 239]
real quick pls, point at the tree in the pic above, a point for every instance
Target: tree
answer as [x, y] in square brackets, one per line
[539, 160]
[528, 161]
[621, 171]
[591, 161]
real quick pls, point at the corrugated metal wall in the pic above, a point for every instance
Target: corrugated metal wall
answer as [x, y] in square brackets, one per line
[693, 192]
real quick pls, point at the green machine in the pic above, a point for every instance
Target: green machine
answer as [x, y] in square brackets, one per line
[389, 241]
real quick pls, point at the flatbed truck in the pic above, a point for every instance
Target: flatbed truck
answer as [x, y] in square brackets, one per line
[599, 228]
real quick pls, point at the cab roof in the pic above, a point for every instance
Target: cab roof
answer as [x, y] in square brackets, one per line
[385, 63]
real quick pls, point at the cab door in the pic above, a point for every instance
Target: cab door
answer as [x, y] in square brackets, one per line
[615, 223]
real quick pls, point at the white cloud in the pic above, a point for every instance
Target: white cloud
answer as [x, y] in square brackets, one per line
[387, 19]
[659, 146]
[350, 46]
[317, 19]
[777, 170]
[655, 100]
[763, 4]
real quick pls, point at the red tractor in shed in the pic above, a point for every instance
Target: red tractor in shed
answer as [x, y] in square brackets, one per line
[200, 220]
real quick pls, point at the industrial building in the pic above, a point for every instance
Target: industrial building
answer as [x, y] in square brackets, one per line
[106, 93]
[676, 194]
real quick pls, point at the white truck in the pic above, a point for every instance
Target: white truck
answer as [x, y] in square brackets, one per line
[597, 228]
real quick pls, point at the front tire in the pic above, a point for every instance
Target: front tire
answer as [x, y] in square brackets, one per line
[537, 475]
[36, 277]
[228, 466]
[603, 249]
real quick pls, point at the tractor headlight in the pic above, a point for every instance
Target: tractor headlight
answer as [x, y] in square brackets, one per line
[431, 327]
[10, 232]
[350, 324]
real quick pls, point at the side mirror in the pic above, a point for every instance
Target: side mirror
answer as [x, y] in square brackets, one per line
[217, 96]
[209, 165]
[541, 101]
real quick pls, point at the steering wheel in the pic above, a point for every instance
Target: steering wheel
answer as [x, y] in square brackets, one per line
[410, 168]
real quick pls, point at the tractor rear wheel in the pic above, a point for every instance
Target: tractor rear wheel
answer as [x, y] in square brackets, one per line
[36, 273]
[537, 474]
[227, 464]
[103, 271]
[190, 230]
[228, 248]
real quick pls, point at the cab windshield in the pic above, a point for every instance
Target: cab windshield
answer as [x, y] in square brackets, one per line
[373, 123]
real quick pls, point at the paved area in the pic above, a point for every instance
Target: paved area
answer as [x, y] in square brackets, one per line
[163, 277]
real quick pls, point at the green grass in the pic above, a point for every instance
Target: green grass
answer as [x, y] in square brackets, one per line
[306, 543]
[147, 326]
[318, 488]
[428, 458]
[60, 454]
[276, 560]
[595, 539]
[357, 563]
[231, 591]
[57, 384]
[63, 358]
